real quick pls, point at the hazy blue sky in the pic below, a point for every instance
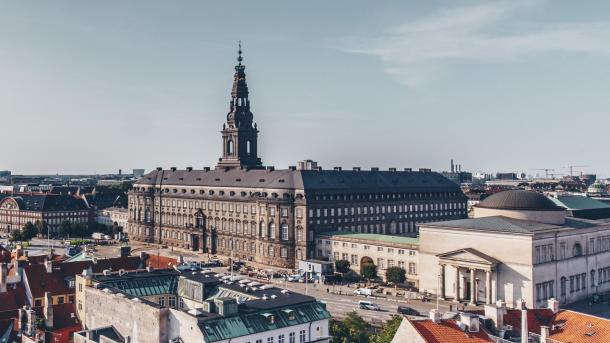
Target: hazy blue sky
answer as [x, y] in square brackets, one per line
[97, 86]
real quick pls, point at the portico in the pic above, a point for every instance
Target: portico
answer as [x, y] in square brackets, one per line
[470, 275]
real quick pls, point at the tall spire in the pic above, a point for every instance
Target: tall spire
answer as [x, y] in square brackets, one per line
[239, 134]
[240, 88]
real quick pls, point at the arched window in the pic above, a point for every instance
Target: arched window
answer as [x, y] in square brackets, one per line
[300, 236]
[272, 230]
[230, 147]
[248, 147]
[592, 278]
[577, 250]
[261, 229]
[392, 227]
[563, 284]
[284, 231]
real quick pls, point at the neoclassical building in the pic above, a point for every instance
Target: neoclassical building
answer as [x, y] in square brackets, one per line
[272, 216]
[519, 245]
[18, 209]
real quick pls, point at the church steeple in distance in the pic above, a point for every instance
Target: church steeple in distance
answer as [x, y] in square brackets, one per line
[239, 134]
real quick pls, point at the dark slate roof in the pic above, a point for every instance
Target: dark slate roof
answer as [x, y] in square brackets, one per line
[304, 179]
[65, 190]
[495, 223]
[48, 202]
[519, 200]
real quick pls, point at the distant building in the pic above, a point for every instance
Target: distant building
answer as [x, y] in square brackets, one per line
[5, 177]
[307, 165]
[138, 173]
[519, 245]
[195, 306]
[18, 209]
[384, 251]
[111, 216]
[457, 175]
[272, 216]
[582, 206]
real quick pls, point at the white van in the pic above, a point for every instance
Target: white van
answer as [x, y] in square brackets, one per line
[367, 305]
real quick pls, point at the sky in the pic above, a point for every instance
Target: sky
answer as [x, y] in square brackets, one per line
[93, 87]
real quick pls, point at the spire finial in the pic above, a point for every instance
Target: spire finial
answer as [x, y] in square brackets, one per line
[239, 58]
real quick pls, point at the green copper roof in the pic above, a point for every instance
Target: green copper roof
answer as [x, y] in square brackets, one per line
[576, 202]
[158, 284]
[225, 328]
[81, 256]
[373, 237]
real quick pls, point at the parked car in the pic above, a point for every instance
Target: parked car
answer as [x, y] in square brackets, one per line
[367, 305]
[408, 311]
[293, 278]
[363, 291]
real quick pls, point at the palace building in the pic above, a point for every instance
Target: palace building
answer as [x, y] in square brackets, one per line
[272, 216]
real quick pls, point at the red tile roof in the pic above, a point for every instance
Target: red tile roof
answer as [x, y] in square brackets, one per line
[64, 316]
[575, 327]
[40, 281]
[447, 331]
[12, 299]
[160, 262]
[535, 318]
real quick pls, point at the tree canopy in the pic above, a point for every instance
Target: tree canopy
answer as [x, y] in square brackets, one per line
[388, 331]
[395, 275]
[369, 271]
[342, 266]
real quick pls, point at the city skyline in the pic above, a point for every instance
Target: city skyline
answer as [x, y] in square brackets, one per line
[85, 87]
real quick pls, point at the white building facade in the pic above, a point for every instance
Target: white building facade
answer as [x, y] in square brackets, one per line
[517, 246]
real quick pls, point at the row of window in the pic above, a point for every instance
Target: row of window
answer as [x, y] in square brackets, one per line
[365, 210]
[282, 338]
[251, 248]
[366, 247]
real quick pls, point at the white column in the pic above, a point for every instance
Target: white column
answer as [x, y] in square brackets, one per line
[457, 283]
[472, 287]
[488, 287]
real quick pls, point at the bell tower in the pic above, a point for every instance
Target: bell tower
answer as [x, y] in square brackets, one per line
[239, 134]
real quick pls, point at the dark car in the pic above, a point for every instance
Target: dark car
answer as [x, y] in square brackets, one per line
[407, 311]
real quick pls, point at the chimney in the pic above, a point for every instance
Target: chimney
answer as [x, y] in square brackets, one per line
[553, 305]
[173, 169]
[452, 166]
[471, 321]
[356, 169]
[435, 316]
[48, 265]
[408, 169]
[524, 330]
[48, 310]
[375, 169]
[189, 169]
[392, 169]
[3, 277]
[337, 168]
[30, 327]
[544, 333]
[496, 314]
[159, 169]
[270, 168]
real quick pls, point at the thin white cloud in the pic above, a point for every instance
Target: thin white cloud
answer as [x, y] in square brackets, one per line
[418, 51]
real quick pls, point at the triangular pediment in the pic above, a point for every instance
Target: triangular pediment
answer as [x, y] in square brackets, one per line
[468, 255]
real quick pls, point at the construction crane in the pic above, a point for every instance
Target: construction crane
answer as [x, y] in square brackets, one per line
[572, 167]
[546, 171]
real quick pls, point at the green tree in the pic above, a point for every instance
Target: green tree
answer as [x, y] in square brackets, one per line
[342, 266]
[353, 329]
[338, 331]
[41, 227]
[395, 275]
[16, 236]
[357, 327]
[388, 331]
[28, 231]
[65, 229]
[369, 271]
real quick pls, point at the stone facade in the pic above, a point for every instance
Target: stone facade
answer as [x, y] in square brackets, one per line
[383, 251]
[272, 216]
